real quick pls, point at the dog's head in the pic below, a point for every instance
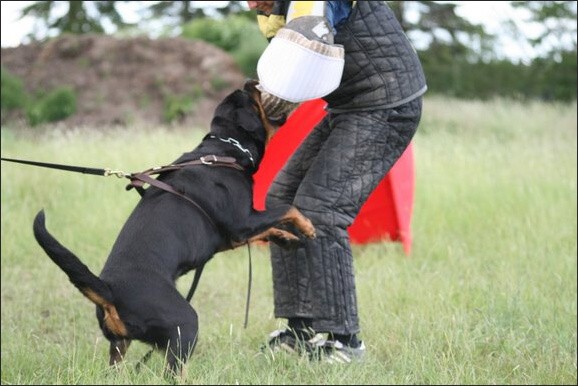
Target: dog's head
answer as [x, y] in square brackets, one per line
[241, 112]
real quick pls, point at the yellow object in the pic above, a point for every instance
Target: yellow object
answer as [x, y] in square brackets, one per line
[305, 8]
[269, 25]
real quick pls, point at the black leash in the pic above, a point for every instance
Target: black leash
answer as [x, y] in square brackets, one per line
[78, 169]
[197, 277]
[248, 288]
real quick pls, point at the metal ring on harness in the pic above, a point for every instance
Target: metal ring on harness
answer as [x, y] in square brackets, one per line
[208, 162]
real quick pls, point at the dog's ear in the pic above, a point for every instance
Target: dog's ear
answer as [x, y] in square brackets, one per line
[226, 108]
[238, 110]
[248, 119]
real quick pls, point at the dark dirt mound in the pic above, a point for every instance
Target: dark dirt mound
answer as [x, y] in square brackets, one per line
[128, 81]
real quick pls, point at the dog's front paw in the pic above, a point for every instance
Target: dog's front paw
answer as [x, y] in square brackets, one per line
[302, 223]
[285, 243]
[308, 229]
[283, 238]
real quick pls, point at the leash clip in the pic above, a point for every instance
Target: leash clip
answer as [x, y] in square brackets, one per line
[118, 173]
[205, 161]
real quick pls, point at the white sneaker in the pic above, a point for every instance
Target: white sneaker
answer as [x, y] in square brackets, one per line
[333, 351]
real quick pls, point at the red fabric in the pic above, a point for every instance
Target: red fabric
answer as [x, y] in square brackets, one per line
[386, 215]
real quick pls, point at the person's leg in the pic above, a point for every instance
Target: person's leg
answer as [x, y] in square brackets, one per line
[359, 152]
[316, 281]
[292, 299]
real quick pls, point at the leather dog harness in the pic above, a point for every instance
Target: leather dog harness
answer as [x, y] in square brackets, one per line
[138, 180]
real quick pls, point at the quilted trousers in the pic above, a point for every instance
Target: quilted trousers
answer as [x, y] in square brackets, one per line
[329, 178]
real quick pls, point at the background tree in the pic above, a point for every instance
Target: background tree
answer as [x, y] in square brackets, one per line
[449, 44]
[443, 30]
[80, 17]
[558, 19]
[460, 58]
[181, 12]
[176, 12]
[554, 71]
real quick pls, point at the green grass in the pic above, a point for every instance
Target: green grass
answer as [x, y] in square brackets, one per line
[488, 295]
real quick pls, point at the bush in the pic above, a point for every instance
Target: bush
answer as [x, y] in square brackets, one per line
[13, 95]
[236, 34]
[54, 106]
[251, 45]
[177, 107]
[542, 79]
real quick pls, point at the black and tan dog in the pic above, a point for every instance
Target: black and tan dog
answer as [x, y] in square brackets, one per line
[169, 234]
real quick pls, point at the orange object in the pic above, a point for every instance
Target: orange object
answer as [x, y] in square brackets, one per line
[385, 216]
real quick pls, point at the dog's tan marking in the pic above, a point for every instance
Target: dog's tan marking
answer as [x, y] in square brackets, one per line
[302, 223]
[274, 232]
[111, 318]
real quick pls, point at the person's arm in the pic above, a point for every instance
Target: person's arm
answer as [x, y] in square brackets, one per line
[301, 62]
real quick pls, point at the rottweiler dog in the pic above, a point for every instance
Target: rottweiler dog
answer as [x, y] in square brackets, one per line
[207, 208]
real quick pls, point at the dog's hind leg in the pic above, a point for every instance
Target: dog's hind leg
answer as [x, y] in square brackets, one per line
[180, 346]
[117, 350]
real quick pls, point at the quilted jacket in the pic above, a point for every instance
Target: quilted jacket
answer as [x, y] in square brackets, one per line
[382, 68]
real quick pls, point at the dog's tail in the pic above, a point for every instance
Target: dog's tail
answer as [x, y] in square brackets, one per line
[88, 283]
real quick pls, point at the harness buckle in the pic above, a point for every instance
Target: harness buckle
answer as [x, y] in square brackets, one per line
[206, 161]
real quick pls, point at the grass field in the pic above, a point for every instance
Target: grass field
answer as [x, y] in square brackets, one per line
[488, 295]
